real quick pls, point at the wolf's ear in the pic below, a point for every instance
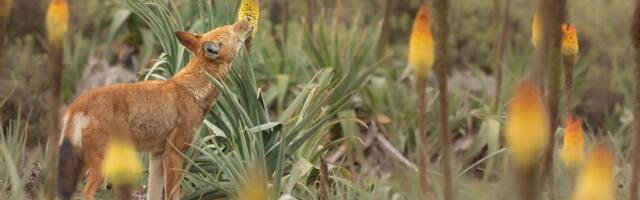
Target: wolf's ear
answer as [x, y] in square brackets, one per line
[189, 40]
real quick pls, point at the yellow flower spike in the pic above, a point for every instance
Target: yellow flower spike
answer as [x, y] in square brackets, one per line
[526, 128]
[250, 12]
[121, 165]
[255, 185]
[57, 21]
[535, 30]
[570, 46]
[421, 44]
[573, 146]
[596, 181]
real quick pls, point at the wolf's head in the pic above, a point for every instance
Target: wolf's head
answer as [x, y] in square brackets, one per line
[219, 45]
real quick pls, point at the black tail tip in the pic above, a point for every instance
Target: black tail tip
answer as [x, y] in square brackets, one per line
[69, 169]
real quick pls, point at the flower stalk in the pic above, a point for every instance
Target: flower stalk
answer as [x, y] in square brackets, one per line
[441, 54]
[311, 15]
[548, 54]
[5, 10]
[57, 21]
[421, 58]
[635, 147]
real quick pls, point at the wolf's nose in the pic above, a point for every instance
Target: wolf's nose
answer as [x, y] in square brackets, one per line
[212, 48]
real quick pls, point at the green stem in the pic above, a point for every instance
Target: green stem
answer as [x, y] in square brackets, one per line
[384, 29]
[502, 41]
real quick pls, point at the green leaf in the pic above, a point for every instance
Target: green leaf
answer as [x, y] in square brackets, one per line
[274, 126]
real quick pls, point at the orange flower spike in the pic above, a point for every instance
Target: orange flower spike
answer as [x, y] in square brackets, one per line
[535, 30]
[573, 147]
[57, 20]
[421, 54]
[527, 129]
[596, 181]
[570, 46]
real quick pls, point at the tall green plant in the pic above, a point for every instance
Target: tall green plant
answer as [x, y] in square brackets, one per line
[239, 135]
[351, 52]
[12, 147]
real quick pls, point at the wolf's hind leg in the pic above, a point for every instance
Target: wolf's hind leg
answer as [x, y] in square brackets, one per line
[94, 181]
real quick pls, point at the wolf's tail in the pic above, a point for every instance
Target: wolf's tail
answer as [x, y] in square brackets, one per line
[69, 168]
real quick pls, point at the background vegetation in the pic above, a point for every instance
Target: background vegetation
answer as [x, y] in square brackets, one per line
[323, 105]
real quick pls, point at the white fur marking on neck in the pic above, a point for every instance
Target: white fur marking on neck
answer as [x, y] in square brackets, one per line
[200, 93]
[238, 46]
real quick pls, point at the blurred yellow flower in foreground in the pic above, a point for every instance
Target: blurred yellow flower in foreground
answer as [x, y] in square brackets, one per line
[535, 30]
[527, 129]
[596, 181]
[573, 146]
[250, 12]
[5, 9]
[255, 185]
[421, 44]
[57, 20]
[121, 165]
[570, 46]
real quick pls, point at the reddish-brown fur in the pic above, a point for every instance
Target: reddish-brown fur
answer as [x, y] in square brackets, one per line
[161, 117]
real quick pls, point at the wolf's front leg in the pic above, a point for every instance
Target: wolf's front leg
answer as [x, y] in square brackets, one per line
[156, 171]
[172, 173]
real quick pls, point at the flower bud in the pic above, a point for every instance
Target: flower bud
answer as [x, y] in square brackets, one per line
[421, 56]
